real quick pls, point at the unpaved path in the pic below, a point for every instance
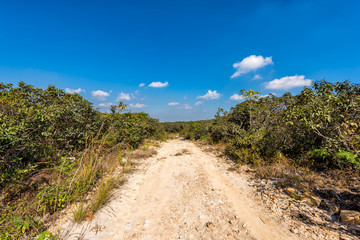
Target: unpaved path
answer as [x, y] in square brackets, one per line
[181, 193]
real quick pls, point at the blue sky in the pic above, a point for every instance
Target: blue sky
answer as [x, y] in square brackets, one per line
[191, 56]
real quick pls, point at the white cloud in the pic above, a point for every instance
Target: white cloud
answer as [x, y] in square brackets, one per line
[138, 105]
[105, 105]
[288, 82]
[123, 96]
[72, 91]
[237, 97]
[142, 85]
[267, 95]
[199, 103]
[100, 95]
[210, 95]
[257, 76]
[187, 107]
[173, 103]
[158, 84]
[250, 63]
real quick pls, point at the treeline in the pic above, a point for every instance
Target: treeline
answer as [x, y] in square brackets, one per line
[318, 128]
[38, 126]
[46, 136]
[189, 130]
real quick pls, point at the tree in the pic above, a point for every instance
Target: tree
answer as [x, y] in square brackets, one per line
[252, 96]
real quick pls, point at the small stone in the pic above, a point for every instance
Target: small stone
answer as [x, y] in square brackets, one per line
[355, 227]
[244, 225]
[128, 227]
[350, 217]
[310, 199]
[209, 224]
[327, 205]
[250, 170]
[147, 223]
[292, 192]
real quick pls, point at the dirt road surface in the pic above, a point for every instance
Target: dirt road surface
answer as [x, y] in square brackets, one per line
[181, 193]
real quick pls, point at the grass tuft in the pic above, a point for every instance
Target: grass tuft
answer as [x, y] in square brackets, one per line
[102, 194]
[80, 212]
[142, 154]
[182, 152]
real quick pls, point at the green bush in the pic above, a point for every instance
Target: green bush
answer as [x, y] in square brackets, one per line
[324, 116]
[38, 124]
[51, 149]
[348, 158]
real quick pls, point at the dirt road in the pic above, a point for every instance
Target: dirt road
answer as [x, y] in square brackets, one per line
[181, 193]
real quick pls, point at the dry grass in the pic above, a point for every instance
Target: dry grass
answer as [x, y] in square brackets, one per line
[149, 143]
[101, 168]
[127, 169]
[105, 169]
[306, 179]
[80, 212]
[91, 174]
[142, 154]
[156, 144]
[102, 194]
[173, 135]
[273, 171]
[182, 152]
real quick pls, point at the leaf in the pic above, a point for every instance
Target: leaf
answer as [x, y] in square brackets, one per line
[25, 226]
[44, 235]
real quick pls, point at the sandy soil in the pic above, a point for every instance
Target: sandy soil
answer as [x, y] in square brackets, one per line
[182, 193]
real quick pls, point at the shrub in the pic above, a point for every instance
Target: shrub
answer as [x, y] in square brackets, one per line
[54, 148]
[318, 127]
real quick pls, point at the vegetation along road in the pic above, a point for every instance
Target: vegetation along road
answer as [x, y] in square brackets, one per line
[270, 168]
[182, 192]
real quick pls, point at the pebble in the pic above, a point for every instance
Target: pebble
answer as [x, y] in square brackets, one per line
[128, 227]
[147, 222]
